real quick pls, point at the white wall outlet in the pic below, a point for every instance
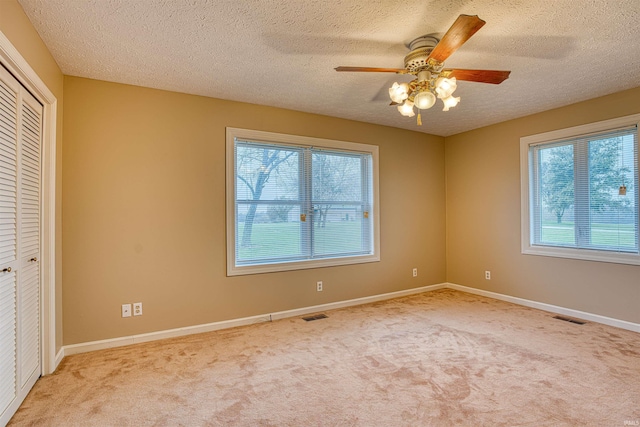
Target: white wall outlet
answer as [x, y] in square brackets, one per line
[126, 310]
[415, 272]
[137, 309]
[487, 275]
[319, 286]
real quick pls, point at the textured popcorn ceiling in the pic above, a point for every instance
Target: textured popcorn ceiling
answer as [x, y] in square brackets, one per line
[282, 52]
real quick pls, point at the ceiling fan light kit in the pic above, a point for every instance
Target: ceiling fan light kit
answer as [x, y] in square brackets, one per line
[406, 109]
[426, 61]
[450, 102]
[424, 99]
[445, 87]
[399, 92]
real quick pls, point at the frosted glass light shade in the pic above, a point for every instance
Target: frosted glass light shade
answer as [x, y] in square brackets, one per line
[424, 100]
[445, 87]
[399, 92]
[406, 109]
[450, 102]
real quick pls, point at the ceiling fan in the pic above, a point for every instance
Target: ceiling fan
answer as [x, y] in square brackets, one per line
[426, 61]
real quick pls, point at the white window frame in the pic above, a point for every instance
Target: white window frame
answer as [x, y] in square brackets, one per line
[295, 141]
[526, 225]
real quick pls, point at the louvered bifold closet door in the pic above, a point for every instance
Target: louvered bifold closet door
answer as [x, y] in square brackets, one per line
[29, 239]
[20, 158]
[9, 93]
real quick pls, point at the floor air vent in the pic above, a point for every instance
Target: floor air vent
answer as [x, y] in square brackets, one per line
[314, 317]
[569, 319]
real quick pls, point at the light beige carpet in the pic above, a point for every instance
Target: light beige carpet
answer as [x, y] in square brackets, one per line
[436, 359]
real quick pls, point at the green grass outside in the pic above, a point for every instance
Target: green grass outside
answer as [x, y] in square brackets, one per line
[335, 237]
[345, 236]
[614, 235]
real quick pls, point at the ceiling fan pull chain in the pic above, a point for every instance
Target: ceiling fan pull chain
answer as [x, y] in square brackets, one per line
[419, 119]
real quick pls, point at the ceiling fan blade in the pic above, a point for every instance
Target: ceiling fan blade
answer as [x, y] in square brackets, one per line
[461, 31]
[373, 70]
[482, 76]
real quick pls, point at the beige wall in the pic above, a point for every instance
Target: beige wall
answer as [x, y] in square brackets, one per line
[144, 206]
[483, 218]
[18, 29]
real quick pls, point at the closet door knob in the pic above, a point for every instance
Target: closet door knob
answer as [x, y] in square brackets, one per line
[34, 259]
[6, 270]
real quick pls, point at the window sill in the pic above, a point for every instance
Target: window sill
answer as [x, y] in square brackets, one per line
[299, 265]
[583, 254]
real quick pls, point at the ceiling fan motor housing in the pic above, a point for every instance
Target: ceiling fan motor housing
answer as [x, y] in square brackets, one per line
[421, 48]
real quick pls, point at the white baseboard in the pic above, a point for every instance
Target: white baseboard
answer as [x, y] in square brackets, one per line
[152, 336]
[58, 359]
[622, 324]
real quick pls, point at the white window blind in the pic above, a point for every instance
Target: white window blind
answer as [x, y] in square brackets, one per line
[583, 193]
[298, 202]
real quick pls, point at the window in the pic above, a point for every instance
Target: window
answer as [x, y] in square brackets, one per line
[298, 202]
[580, 192]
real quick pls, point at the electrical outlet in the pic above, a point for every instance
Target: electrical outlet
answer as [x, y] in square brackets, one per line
[487, 275]
[126, 310]
[137, 309]
[319, 286]
[415, 272]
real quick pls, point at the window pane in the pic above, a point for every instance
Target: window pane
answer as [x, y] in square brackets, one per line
[294, 202]
[337, 229]
[557, 195]
[336, 177]
[266, 173]
[267, 226]
[612, 211]
[582, 194]
[274, 234]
